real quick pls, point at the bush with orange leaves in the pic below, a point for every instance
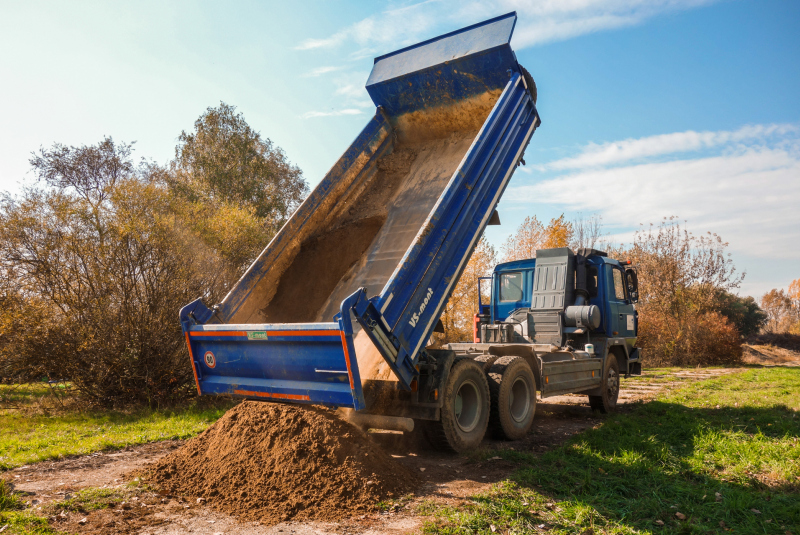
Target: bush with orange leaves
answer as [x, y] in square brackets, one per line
[705, 339]
[681, 277]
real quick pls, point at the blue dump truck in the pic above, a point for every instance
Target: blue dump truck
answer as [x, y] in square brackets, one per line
[339, 308]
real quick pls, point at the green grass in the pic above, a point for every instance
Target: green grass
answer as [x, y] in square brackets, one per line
[16, 395]
[93, 499]
[25, 523]
[13, 520]
[713, 451]
[26, 438]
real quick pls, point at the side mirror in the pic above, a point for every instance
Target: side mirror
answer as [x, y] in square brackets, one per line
[632, 281]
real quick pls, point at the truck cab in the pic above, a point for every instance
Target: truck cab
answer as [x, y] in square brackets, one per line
[610, 285]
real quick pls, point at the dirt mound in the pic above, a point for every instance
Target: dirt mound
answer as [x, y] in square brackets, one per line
[270, 462]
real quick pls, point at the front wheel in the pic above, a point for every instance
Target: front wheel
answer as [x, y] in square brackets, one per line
[465, 409]
[607, 402]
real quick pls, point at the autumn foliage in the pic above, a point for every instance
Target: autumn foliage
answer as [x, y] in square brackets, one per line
[99, 256]
[688, 313]
[782, 309]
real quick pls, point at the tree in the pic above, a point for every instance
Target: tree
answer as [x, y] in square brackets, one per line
[100, 266]
[525, 241]
[463, 304]
[743, 312]
[587, 232]
[559, 233]
[532, 235]
[90, 172]
[680, 277]
[778, 306]
[225, 159]
[794, 295]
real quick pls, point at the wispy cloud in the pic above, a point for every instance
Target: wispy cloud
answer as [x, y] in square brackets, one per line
[394, 26]
[745, 188]
[335, 39]
[319, 71]
[332, 113]
[540, 21]
[604, 154]
[543, 21]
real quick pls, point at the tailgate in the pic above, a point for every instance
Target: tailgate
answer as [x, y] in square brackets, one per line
[292, 362]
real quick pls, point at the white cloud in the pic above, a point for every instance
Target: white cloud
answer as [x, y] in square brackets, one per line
[595, 155]
[540, 21]
[319, 71]
[747, 194]
[335, 39]
[334, 113]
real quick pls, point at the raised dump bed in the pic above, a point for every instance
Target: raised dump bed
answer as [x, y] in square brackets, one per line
[396, 218]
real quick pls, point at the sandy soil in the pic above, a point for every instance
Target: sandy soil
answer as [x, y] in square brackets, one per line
[446, 479]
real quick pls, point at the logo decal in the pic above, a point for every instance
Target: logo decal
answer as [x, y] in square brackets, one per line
[210, 360]
[415, 318]
[257, 335]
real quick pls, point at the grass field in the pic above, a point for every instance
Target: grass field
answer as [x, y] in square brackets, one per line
[28, 434]
[713, 456]
[717, 455]
[38, 423]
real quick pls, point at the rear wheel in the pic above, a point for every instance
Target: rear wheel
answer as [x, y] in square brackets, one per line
[465, 409]
[607, 402]
[513, 389]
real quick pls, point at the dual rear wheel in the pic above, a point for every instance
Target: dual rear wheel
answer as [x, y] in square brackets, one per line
[502, 400]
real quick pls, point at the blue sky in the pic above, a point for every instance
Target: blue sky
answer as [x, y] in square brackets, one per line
[650, 109]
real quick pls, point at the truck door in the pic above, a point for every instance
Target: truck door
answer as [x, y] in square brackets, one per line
[623, 320]
[510, 293]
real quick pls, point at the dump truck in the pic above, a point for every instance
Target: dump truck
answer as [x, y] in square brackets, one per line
[339, 308]
[559, 323]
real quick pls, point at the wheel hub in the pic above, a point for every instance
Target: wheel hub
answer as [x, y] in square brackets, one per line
[519, 400]
[467, 406]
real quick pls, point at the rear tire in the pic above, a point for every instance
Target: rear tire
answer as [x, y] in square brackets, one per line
[607, 402]
[465, 409]
[513, 389]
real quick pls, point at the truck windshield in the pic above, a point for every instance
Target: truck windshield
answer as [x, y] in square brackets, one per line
[511, 287]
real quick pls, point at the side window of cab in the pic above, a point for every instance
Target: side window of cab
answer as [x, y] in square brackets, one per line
[510, 287]
[619, 286]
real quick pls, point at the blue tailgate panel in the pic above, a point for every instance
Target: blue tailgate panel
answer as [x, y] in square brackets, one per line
[298, 363]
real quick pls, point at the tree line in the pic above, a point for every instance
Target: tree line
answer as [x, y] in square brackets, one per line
[689, 313]
[98, 255]
[100, 252]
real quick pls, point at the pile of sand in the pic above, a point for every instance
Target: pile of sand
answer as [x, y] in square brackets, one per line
[271, 462]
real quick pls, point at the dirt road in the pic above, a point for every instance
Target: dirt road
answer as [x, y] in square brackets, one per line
[448, 479]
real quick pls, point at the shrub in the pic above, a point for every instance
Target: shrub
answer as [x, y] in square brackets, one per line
[97, 263]
[704, 339]
[100, 280]
[681, 277]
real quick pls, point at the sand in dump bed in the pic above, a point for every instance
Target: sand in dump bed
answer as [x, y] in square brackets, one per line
[272, 462]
